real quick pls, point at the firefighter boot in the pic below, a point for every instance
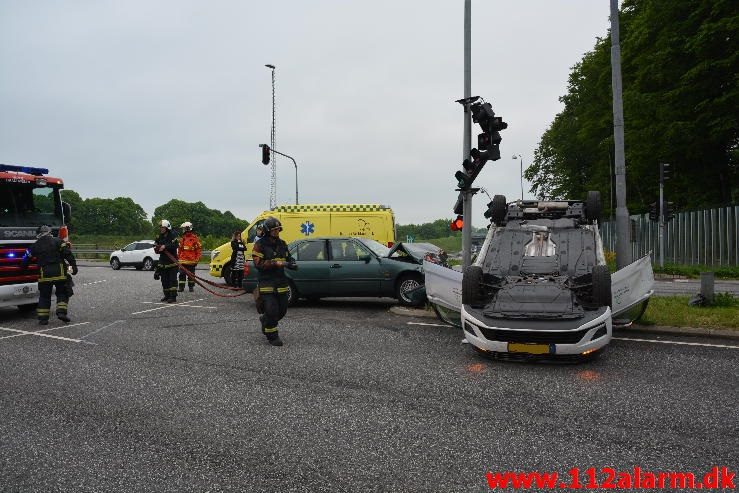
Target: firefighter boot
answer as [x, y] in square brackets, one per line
[191, 288]
[61, 312]
[275, 341]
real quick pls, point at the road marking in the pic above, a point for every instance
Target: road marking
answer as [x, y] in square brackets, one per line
[167, 305]
[39, 334]
[45, 330]
[191, 306]
[101, 328]
[675, 342]
[94, 282]
[429, 325]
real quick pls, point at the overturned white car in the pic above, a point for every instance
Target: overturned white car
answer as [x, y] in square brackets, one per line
[540, 286]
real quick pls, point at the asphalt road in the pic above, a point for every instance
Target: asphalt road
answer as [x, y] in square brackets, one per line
[138, 396]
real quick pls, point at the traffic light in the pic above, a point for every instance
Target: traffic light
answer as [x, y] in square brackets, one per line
[653, 212]
[669, 210]
[265, 153]
[459, 205]
[664, 172]
[487, 143]
[457, 224]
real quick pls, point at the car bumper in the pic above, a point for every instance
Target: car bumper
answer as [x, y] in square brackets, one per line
[580, 340]
[18, 294]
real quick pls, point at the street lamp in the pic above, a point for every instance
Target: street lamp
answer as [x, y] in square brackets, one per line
[520, 156]
[272, 137]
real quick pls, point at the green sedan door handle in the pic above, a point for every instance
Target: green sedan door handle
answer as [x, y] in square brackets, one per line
[336, 266]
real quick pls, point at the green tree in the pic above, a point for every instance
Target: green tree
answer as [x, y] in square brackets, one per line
[118, 216]
[680, 61]
[205, 221]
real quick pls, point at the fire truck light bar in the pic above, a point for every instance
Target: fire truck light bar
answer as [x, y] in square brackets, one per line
[24, 169]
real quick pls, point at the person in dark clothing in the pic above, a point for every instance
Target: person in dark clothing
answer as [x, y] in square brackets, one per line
[237, 259]
[167, 268]
[271, 257]
[52, 255]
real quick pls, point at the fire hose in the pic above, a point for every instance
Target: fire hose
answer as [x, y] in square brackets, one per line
[202, 282]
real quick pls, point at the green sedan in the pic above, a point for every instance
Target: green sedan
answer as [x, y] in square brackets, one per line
[352, 267]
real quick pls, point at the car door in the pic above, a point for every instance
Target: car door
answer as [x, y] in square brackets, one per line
[353, 269]
[143, 250]
[128, 254]
[312, 276]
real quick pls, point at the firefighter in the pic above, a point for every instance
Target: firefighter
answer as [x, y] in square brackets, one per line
[188, 254]
[271, 257]
[166, 243]
[51, 254]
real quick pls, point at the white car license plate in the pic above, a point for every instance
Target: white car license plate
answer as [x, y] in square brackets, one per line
[25, 290]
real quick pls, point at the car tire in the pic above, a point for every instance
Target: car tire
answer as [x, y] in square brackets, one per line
[593, 207]
[148, 264]
[27, 307]
[601, 285]
[292, 294]
[115, 264]
[226, 272]
[472, 285]
[498, 209]
[407, 282]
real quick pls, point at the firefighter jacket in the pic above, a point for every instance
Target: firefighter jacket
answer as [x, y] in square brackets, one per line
[267, 251]
[190, 248]
[169, 241]
[51, 253]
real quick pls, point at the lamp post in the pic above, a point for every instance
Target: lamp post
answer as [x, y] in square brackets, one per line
[272, 138]
[520, 156]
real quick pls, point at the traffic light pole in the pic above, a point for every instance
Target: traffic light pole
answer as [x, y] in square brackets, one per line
[467, 136]
[661, 222]
[623, 226]
[269, 149]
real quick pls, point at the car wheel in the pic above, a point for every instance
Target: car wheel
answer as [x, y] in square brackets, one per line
[227, 277]
[498, 209]
[472, 285]
[148, 264]
[407, 283]
[593, 207]
[115, 263]
[27, 307]
[601, 285]
[292, 294]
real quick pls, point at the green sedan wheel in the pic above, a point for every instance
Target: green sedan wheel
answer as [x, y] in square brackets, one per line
[407, 283]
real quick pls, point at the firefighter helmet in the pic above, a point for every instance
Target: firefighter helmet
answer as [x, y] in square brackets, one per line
[272, 223]
[187, 225]
[42, 231]
[165, 224]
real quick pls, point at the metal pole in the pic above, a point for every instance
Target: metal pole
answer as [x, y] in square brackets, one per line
[272, 139]
[661, 223]
[521, 175]
[623, 252]
[296, 171]
[467, 136]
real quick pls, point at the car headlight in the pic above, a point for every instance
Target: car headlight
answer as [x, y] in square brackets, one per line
[214, 254]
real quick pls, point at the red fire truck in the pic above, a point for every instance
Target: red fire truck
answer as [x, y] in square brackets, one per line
[29, 198]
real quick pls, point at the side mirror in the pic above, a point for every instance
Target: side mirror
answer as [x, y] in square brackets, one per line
[365, 258]
[66, 212]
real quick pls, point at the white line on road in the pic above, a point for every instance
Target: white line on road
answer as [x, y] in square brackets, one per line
[46, 330]
[179, 304]
[39, 334]
[101, 328]
[681, 343]
[168, 305]
[675, 342]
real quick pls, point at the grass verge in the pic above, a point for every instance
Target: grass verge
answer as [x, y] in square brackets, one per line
[674, 311]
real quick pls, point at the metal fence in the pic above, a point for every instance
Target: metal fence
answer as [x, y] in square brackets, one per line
[707, 237]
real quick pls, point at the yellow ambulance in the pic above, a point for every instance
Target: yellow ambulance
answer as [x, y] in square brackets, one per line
[301, 221]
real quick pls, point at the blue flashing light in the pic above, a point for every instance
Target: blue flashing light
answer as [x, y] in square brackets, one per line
[11, 255]
[24, 169]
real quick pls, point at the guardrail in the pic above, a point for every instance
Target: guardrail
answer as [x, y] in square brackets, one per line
[104, 253]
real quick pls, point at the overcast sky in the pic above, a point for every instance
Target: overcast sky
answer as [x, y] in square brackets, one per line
[157, 100]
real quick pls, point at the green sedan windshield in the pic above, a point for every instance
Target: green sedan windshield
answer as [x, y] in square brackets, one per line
[377, 248]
